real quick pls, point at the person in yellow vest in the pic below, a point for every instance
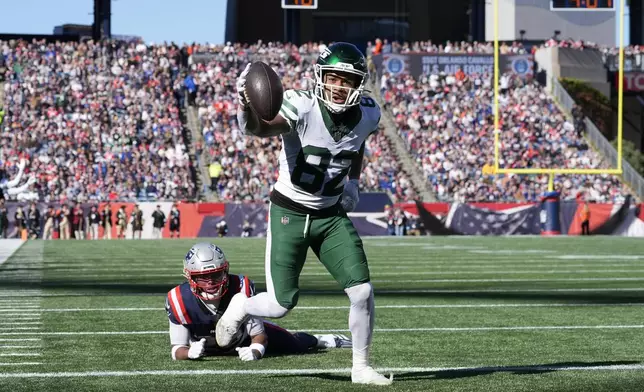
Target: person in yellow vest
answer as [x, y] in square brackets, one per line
[488, 169]
[214, 170]
[585, 219]
[1, 114]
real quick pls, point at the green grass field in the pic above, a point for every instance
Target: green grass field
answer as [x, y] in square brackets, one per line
[452, 314]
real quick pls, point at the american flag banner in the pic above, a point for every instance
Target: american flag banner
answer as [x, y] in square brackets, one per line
[469, 220]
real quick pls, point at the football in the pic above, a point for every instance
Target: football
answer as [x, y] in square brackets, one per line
[264, 91]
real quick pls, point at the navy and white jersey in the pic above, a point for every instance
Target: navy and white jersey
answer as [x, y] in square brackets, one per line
[191, 319]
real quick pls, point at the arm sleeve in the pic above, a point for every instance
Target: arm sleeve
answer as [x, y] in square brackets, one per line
[179, 335]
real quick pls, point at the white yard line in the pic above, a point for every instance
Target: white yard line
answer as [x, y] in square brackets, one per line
[427, 329]
[375, 273]
[21, 340]
[377, 291]
[3, 346]
[20, 363]
[303, 372]
[607, 279]
[435, 306]
[20, 355]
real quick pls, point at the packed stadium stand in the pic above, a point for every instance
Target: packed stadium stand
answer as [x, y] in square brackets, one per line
[101, 121]
[447, 124]
[96, 121]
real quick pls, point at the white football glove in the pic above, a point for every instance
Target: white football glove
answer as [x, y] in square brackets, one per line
[350, 195]
[196, 349]
[247, 354]
[241, 87]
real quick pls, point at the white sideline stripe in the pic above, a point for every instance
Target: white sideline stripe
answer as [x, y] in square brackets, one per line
[23, 323]
[18, 316]
[509, 305]
[9, 247]
[18, 328]
[21, 355]
[19, 363]
[427, 329]
[302, 372]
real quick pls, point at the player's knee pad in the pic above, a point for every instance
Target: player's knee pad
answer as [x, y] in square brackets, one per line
[360, 295]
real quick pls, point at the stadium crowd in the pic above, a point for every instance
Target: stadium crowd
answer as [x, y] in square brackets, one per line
[447, 124]
[102, 121]
[96, 121]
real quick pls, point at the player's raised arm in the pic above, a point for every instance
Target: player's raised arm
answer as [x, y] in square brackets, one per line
[249, 121]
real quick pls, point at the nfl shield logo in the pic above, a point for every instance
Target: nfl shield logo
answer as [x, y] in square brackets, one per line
[285, 220]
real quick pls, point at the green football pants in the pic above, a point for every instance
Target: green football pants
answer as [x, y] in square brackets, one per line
[333, 239]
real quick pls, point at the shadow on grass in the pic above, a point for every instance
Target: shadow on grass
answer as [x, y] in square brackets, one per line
[477, 371]
[137, 284]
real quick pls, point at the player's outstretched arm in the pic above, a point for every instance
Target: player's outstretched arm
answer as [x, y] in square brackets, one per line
[250, 123]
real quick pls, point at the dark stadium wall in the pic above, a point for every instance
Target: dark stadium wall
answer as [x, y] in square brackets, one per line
[357, 21]
[255, 20]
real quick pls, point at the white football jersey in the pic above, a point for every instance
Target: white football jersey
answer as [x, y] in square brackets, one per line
[316, 155]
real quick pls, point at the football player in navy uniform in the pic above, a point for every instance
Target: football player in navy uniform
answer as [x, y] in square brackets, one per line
[195, 306]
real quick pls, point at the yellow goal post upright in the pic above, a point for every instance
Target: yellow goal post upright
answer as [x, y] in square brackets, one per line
[554, 171]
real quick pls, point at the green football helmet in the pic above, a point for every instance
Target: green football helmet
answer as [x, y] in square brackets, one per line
[342, 58]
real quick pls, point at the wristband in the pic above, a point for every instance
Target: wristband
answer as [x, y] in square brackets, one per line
[258, 347]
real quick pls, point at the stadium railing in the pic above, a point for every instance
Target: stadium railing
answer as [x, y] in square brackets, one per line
[599, 141]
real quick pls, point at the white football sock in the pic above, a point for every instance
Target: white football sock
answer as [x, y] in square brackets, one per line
[361, 320]
[264, 305]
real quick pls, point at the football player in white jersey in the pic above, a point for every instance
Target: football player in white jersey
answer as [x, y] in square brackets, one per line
[323, 136]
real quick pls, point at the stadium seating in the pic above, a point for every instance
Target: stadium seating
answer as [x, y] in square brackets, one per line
[103, 121]
[96, 120]
[446, 122]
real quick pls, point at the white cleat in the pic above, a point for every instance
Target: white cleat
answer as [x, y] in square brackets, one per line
[229, 323]
[369, 376]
